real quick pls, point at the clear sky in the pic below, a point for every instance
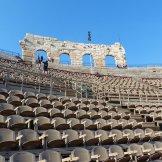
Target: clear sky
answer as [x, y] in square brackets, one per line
[136, 23]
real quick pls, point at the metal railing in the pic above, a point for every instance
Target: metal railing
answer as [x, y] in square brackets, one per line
[10, 53]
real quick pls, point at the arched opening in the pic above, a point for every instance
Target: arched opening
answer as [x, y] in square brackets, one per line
[41, 55]
[65, 59]
[87, 60]
[109, 61]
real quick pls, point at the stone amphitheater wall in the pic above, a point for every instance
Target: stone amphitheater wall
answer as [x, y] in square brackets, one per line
[54, 47]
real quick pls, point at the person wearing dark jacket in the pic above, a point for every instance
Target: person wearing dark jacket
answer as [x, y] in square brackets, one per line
[41, 58]
[45, 67]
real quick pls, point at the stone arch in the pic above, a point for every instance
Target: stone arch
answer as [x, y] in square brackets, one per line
[64, 58]
[87, 60]
[119, 55]
[41, 54]
[109, 61]
[58, 52]
[117, 52]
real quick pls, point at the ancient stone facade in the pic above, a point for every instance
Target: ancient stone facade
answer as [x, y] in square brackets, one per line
[54, 47]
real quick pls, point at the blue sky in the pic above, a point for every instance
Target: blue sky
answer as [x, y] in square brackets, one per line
[136, 23]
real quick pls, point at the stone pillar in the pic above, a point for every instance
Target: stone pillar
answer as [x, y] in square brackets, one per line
[76, 58]
[28, 55]
[99, 62]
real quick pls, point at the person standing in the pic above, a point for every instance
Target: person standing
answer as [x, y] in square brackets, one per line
[39, 62]
[41, 58]
[45, 67]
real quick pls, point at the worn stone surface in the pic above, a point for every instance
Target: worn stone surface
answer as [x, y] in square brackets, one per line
[54, 47]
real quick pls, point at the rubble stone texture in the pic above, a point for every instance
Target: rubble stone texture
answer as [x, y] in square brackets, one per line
[54, 47]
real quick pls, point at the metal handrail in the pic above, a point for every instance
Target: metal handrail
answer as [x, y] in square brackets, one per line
[10, 52]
